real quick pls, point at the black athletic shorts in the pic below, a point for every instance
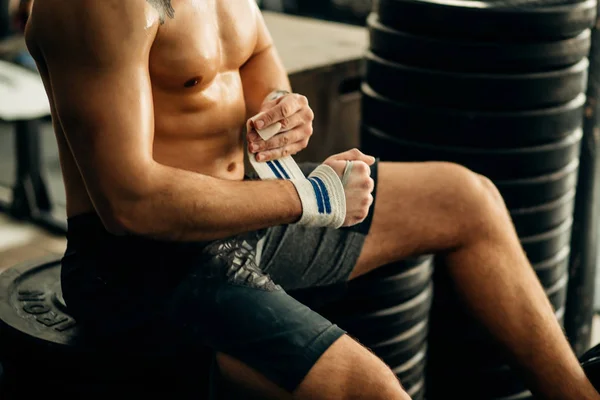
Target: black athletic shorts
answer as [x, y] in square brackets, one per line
[232, 296]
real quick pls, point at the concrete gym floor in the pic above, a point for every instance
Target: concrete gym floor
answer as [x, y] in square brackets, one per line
[22, 241]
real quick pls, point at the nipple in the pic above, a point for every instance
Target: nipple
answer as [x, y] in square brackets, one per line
[192, 82]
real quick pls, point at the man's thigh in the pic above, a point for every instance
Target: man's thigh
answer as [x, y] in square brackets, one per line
[421, 208]
[227, 303]
[267, 342]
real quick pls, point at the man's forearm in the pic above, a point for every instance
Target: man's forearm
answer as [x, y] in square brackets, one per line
[185, 206]
[262, 74]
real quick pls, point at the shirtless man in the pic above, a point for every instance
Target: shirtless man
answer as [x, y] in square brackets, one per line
[149, 101]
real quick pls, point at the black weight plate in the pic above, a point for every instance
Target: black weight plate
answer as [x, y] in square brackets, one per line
[417, 391]
[590, 361]
[528, 192]
[535, 220]
[380, 335]
[506, 129]
[551, 270]
[484, 20]
[401, 347]
[560, 316]
[475, 91]
[557, 293]
[365, 295]
[525, 395]
[394, 268]
[474, 56]
[592, 370]
[403, 357]
[496, 164]
[591, 356]
[31, 310]
[412, 371]
[401, 317]
[543, 246]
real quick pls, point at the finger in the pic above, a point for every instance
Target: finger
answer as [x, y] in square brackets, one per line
[301, 120]
[270, 104]
[354, 155]
[252, 136]
[294, 121]
[281, 152]
[286, 108]
[258, 135]
[351, 155]
[280, 140]
[277, 141]
[269, 131]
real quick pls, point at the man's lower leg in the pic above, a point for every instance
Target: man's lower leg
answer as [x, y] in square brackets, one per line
[496, 281]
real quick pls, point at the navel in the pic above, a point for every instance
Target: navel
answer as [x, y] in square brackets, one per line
[231, 167]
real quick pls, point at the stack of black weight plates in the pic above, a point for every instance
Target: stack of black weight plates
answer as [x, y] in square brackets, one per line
[498, 87]
[387, 310]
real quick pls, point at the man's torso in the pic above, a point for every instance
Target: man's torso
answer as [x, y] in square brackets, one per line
[199, 107]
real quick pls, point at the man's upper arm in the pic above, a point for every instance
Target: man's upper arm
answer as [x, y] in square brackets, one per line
[264, 41]
[264, 71]
[96, 54]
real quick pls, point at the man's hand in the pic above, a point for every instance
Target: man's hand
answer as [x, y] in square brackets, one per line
[359, 185]
[295, 116]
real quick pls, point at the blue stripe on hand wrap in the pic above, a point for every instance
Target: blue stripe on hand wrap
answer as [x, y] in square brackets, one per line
[274, 169]
[318, 194]
[325, 194]
[281, 169]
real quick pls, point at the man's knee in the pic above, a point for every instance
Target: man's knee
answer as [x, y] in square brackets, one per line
[370, 380]
[493, 192]
[478, 204]
[385, 387]
[347, 370]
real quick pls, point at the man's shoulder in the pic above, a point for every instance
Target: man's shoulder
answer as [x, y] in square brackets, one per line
[59, 23]
[114, 14]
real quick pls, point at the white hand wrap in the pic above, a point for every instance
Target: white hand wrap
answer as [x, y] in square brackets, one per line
[323, 198]
[322, 193]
